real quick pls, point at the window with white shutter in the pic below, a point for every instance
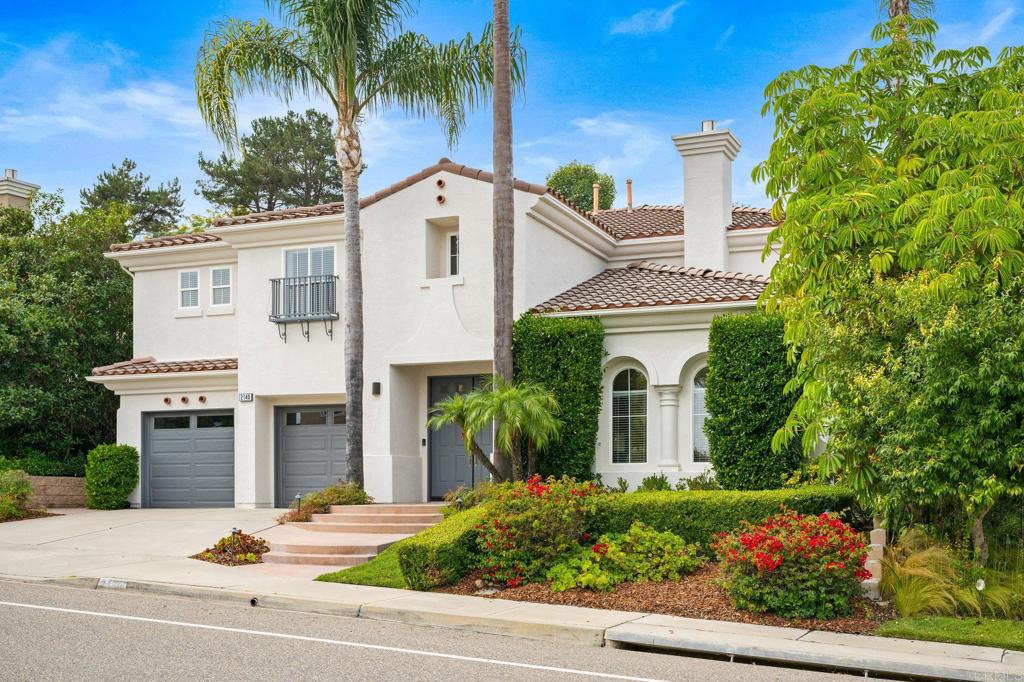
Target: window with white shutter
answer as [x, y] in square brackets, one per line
[188, 289]
[701, 453]
[629, 417]
[220, 286]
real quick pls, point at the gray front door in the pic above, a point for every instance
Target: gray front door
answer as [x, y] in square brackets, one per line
[450, 466]
[189, 460]
[310, 449]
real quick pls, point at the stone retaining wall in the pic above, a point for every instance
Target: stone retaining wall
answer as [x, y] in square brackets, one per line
[57, 492]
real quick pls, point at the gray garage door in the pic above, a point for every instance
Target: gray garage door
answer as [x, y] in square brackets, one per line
[310, 449]
[189, 460]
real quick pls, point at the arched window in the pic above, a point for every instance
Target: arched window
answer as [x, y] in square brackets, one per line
[700, 415]
[629, 417]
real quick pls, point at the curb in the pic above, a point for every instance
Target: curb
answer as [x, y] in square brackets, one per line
[792, 647]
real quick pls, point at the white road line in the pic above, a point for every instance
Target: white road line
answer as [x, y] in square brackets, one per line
[338, 642]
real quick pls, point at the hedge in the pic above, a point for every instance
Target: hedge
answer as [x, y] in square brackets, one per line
[40, 465]
[111, 473]
[747, 403]
[443, 554]
[564, 354]
[696, 515]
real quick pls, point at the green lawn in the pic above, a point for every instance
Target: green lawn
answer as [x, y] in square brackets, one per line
[1004, 634]
[382, 571]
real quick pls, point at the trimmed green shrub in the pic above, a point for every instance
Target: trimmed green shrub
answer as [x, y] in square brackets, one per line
[697, 515]
[111, 473]
[15, 491]
[564, 355]
[747, 403]
[39, 465]
[443, 554]
[654, 483]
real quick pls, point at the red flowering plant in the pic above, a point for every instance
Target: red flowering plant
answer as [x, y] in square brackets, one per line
[532, 524]
[792, 565]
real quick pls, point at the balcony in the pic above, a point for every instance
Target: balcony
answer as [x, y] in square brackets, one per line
[312, 298]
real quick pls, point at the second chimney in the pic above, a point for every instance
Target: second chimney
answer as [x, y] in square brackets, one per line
[629, 194]
[707, 194]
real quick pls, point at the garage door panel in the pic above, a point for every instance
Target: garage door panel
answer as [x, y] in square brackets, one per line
[193, 466]
[311, 450]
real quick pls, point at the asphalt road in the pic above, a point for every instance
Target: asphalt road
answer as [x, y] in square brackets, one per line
[61, 633]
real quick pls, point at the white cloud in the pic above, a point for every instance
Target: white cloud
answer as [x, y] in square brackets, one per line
[724, 36]
[648, 20]
[71, 86]
[996, 24]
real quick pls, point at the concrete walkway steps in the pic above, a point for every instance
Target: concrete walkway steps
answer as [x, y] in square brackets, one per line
[349, 535]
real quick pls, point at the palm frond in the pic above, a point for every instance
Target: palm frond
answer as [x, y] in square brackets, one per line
[242, 57]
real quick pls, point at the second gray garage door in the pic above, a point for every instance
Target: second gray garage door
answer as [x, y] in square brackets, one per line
[189, 460]
[310, 449]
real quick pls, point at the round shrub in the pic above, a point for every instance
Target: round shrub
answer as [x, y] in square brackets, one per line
[747, 402]
[15, 491]
[793, 566]
[111, 473]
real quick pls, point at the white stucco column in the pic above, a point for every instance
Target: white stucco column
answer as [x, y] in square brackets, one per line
[668, 400]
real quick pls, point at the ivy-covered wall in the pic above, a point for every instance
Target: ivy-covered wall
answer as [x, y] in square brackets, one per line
[747, 403]
[564, 354]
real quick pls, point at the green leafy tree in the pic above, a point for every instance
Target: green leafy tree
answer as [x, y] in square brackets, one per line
[286, 161]
[575, 182]
[64, 309]
[356, 55]
[154, 210]
[900, 177]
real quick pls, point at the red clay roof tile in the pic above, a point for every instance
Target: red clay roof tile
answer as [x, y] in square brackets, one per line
[149, 365]
[645, 284]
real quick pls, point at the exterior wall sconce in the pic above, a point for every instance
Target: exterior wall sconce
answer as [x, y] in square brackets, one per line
[375, 388]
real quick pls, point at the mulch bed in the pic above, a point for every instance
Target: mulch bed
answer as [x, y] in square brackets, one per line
[694, 596]
[237, 549]
[34, 514]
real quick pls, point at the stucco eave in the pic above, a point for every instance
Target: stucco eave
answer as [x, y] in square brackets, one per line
[171, 256]
[282, 231]
[135, 384]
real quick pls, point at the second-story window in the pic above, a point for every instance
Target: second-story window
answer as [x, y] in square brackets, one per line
[317, 260]
[188, 289]
[220, 283]
[453, 254]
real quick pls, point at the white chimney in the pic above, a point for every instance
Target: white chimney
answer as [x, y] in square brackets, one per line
[707, 194]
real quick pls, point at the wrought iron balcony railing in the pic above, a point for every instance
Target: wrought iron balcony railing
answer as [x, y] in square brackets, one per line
[304, 299]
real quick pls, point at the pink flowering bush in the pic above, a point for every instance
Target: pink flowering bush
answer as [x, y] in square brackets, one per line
[792, 565]
[530, 525]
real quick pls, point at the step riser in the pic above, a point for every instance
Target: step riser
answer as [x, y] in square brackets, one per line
[328, 550]
[378, 518]
[369, 528]
[387, 508]
[315, 560]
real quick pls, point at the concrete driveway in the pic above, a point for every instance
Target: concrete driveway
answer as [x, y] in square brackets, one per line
[132, 544]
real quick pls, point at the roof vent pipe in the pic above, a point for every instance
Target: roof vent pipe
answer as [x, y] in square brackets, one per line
[597, 197]
[629, 194]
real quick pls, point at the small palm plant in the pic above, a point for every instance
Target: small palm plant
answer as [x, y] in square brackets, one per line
[524, 413]
[455, 410]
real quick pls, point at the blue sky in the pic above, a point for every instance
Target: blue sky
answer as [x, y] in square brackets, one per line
[84, 84]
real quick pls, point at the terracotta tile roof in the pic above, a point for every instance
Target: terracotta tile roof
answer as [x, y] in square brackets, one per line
[650, 220]
[644, 284]
[333, 208]
[170, 240]
[149, 365]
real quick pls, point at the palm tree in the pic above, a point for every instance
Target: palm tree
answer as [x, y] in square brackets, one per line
[355, 54]
[523, 412]
[503, 198]
[454, 410]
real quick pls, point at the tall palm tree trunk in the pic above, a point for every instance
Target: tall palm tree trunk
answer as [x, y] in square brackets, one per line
[348, 151]
[504, 209]
[504, 203]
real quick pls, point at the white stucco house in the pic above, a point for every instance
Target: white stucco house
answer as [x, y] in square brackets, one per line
[235, 395]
